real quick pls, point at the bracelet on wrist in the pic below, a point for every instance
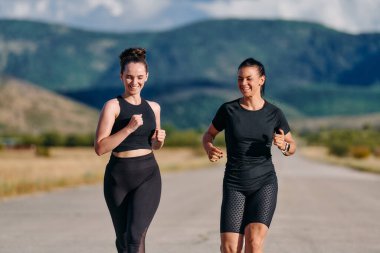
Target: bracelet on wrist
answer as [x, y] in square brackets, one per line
[286, 149]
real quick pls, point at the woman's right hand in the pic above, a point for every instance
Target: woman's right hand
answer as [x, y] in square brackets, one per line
[135, 122]
[214, 153]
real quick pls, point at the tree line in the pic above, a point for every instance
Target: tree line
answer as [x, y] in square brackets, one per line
[174, 138]
[358, 143]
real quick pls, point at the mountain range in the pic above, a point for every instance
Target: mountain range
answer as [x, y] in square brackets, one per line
[312, 70]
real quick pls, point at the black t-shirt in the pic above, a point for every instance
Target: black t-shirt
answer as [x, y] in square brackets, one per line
[249, 137]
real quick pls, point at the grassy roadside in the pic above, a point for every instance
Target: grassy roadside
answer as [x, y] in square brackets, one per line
[369, 164]
[22, 172]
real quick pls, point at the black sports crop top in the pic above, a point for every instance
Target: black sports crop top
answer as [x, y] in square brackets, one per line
[249, 136]
[141, 138]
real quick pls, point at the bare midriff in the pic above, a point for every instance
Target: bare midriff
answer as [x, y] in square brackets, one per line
[132, 153]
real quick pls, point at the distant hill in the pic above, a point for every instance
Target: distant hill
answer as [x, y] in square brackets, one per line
[295, 53]
[312, 70]
[26, 108]
[193, 107]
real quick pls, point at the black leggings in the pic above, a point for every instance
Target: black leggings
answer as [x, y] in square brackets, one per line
[240, 208]
[132, 189]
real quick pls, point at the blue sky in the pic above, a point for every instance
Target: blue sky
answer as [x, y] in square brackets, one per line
[352, 16]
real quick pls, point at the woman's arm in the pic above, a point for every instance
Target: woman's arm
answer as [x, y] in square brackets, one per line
[159, 135]
[285, 142]
[214, 153]
[104, 142]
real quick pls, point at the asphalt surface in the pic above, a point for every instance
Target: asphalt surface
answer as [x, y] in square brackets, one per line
[321, 209]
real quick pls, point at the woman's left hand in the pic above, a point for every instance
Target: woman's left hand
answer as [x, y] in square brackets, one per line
[159, 135]
[279, 139]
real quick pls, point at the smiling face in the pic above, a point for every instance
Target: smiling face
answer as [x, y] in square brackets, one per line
[250, 81]
[134, 77]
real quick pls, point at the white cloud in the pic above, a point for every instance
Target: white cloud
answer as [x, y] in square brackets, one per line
[348, 15]
[83, 13]
[42, 6]
[115, 7]
[28, 8]
[21, 9]
[145, 9]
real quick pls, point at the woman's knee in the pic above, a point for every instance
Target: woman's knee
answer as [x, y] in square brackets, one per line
[255, 234]
[256, 244]
[230, 248]
[231, 243]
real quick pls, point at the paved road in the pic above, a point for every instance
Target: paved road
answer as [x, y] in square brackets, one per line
[321, 209]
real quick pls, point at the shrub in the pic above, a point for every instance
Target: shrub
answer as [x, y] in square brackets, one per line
[360, 152]
[183, 139]
[341, 142]
[52, 139]
[27, 139]
[312, 138]
[338, 149]
[169, 129]
[43, 151]
[79, 140]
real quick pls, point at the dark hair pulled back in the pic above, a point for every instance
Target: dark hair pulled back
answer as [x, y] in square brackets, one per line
[251, 62]
[133, 55]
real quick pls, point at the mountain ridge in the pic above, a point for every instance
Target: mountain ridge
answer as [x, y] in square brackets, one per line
[311, 69]
[210, 49]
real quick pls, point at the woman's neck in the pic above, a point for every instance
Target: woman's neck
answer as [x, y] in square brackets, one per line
[252, 103]
[132, 99]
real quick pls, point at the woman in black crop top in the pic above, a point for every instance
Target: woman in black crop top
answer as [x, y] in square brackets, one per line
[250, 124]
[129, 127]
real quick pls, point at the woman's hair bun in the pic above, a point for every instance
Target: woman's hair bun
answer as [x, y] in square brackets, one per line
[133, 53]
[136, 54]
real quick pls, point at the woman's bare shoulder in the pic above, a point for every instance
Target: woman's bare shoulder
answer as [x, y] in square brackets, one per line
[155, 106]
[111, 107]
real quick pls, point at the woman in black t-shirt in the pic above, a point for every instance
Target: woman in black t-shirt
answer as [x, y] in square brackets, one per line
[251, 124]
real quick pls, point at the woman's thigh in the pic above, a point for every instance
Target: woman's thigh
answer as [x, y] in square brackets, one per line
[261, 205]
[232, 211]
